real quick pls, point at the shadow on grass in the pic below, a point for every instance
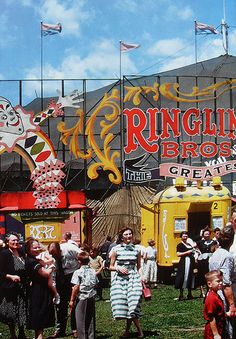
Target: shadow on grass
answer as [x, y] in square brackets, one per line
[147, 334]
[151, 334]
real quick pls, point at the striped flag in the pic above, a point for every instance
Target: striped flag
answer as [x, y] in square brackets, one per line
[48, 29]
[204, 28]
[124, 47]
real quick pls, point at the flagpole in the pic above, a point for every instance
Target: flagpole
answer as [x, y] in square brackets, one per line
[120, 60]
[121, 122]
[195, 44]
[224, 30]
[41, 66]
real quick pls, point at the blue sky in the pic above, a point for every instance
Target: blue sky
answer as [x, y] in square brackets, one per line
[88, 46]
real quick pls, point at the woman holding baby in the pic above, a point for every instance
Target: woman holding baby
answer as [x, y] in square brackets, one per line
[40, 308]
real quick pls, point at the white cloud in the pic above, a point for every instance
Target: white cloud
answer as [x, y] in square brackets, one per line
[27, 2]
[127, 5]
[71, 14]
[101, 63]
[166, 47]
[232, 42]
[7, 37]
[210, 48]
[182, 13]
[177, 53]
[177, 62]
[146, 36]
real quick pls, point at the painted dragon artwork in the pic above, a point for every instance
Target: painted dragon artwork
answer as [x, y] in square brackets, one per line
[20, 132]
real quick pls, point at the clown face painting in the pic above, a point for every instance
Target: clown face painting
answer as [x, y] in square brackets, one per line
[20, 132]
[15, 123]
[10, 120]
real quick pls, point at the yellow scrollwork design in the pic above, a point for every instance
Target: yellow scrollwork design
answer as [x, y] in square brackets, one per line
[171, 91]
[135, 93]
[73, 133]
[107, 161]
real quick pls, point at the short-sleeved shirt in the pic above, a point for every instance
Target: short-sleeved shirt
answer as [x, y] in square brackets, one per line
[151, 252]
[86, 278]
[214, 308]
[70, 254]
[224, 261]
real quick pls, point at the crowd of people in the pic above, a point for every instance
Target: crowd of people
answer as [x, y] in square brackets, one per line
[33, 285]
[210, 263]
[44, 287]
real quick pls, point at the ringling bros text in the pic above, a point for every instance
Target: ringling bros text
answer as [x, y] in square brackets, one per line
[193, 122]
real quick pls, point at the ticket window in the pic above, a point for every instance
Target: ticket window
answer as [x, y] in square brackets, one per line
[217, 222]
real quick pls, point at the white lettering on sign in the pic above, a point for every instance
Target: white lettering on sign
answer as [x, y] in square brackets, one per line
[219, 160]
[42, 232]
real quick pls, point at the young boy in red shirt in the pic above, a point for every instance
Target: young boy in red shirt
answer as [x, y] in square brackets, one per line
[214, 311]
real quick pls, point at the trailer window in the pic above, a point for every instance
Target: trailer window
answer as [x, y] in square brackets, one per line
[217, 222]
[180, 224]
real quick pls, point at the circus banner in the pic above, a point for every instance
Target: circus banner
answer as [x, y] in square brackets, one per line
[136, 170]
[197, 173]
[138, 137]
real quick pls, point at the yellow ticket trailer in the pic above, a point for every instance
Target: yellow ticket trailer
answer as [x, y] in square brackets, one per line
[182, 208]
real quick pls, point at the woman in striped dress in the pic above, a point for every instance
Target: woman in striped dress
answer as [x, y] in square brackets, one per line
[126, 287]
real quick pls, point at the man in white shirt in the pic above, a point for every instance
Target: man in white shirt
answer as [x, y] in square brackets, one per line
[70, 264]
[68, 236]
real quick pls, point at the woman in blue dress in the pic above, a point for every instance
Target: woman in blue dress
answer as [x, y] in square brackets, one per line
[126, 286]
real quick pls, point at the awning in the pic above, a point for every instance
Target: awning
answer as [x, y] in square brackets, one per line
[12, 201]
[77, 206]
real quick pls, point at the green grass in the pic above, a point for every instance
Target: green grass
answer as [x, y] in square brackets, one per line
[163, 317]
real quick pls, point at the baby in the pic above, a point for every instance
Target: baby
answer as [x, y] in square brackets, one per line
[47, 261]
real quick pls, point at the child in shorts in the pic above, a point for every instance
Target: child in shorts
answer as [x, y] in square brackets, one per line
[214, 312]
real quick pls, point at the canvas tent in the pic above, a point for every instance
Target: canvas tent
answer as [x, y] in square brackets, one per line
[121, 209]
